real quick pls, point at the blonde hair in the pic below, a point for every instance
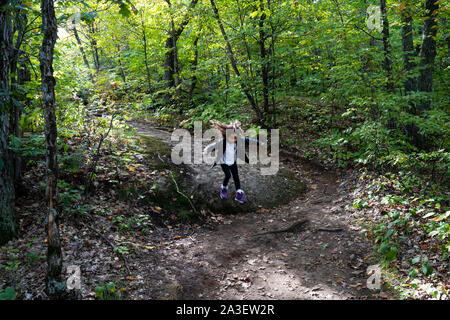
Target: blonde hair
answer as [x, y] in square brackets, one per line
[222, 127]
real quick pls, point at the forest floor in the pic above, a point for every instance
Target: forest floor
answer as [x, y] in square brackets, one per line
[223, 259]
[219, 257]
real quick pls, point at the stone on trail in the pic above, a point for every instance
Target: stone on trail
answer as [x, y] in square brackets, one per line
[260, 191]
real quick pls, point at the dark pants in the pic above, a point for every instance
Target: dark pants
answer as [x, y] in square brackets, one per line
[231, 170]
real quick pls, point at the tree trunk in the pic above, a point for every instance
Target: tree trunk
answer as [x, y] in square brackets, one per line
[250, 72]
[387, 64]
[170, 57]
[227, 82]
[264, 62]
[7, 214]
[23, 76]
[83, 54]
[176, 68]
[234, 65]
[54, 283]
[428, 51]
[121, 70]
[410, 84]
[20, 21]
[94, 48]
[273, 77]
[194, 70]
[144, 39]
[408, 50]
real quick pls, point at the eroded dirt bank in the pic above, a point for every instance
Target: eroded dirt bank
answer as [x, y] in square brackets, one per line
[201, 182]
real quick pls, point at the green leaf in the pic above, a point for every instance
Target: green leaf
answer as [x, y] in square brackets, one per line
[392, 254]
[124, 10]
[389, 233]
[111, 287]
[415, 260]
[254, 14]
[413, 273]
[8, 294]
[384, 248]
[427, 269]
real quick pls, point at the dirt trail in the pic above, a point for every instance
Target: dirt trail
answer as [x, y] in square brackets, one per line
[221, 260]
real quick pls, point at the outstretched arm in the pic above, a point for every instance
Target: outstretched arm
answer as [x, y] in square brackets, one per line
[210, 146]
[248, 139]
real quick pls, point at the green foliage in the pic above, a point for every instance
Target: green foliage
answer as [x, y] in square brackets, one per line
[139, 222]
[32, 257]
[73, 162]
[122, 250]
[426, 269]
[107, 291]
[119, 220]
[188, 216]
[385, 243]
[68, 194]
[32, 145]
[8, 293]
[12, 265]
[359, 204]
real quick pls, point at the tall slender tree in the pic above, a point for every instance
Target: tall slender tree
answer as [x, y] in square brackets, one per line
[20, 22]
[408, 47]
[234, 65]
[91, 35]
[83, 54]
[387, 63]
[194, 69]
[144, 44]
[264, 58]
[171, 57]
[7, 214]
[54, 283]
[428, 51]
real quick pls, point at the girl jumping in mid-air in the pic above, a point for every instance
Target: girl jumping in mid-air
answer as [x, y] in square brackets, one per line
[229, 147]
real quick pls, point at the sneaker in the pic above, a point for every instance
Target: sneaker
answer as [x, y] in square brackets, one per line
[223, 192]
[240, 196]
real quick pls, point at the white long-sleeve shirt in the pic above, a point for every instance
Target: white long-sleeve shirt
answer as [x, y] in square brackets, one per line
[229, 157]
